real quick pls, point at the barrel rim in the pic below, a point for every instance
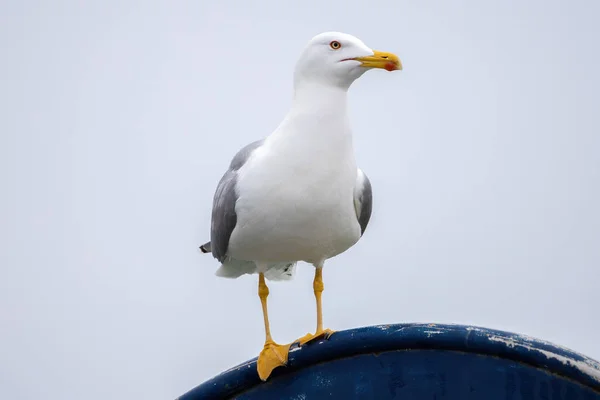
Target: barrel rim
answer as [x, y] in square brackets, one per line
[521, 348]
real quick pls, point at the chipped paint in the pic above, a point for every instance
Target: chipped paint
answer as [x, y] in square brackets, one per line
[429, 333]
[322, 381]
[586, 366]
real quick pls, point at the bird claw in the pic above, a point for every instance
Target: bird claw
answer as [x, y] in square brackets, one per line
[309, 337]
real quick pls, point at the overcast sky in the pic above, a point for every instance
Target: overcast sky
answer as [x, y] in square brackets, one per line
[118, 118]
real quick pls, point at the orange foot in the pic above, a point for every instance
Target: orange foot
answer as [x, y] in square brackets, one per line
[324, 333]
[273, 355]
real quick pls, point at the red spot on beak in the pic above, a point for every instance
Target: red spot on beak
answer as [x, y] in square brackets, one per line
[391, 66]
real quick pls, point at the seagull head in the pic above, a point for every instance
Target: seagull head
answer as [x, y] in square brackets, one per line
[335, 58]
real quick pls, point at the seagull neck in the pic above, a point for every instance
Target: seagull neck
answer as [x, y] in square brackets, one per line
[316, 98]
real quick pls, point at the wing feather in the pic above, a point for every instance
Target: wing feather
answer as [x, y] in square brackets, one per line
[363, 200]
[224, 217]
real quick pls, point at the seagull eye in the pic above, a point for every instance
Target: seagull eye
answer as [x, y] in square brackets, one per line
[335, 45]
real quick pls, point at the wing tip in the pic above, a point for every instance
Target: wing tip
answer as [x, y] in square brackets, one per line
[205, 248]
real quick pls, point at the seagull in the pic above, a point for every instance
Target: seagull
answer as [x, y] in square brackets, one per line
[298, 195]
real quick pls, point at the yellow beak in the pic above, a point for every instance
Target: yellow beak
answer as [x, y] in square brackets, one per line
[381, 59]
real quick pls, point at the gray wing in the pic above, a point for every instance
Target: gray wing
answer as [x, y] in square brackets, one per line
[224, 216]
[363, 200]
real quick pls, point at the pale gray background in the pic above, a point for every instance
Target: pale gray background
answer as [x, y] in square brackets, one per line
[118, 118]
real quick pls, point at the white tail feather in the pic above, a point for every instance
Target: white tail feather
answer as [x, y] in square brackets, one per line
[233, 268]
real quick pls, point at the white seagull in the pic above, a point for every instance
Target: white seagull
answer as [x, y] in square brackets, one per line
[298, 195]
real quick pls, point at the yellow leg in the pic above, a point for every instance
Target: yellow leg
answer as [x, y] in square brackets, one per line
[320, 332]
[272, 355]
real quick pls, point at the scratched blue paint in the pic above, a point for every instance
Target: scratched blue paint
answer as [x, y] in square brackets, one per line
[416, 362]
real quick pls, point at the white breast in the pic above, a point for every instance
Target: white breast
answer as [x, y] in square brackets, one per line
[296, 193]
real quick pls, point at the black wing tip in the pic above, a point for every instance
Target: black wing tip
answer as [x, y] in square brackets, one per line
[205, 248]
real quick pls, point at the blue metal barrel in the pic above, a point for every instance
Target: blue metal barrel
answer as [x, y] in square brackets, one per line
[416, 362]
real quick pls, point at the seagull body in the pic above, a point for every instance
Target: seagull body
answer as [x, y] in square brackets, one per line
[296, 191]
[298, 195]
